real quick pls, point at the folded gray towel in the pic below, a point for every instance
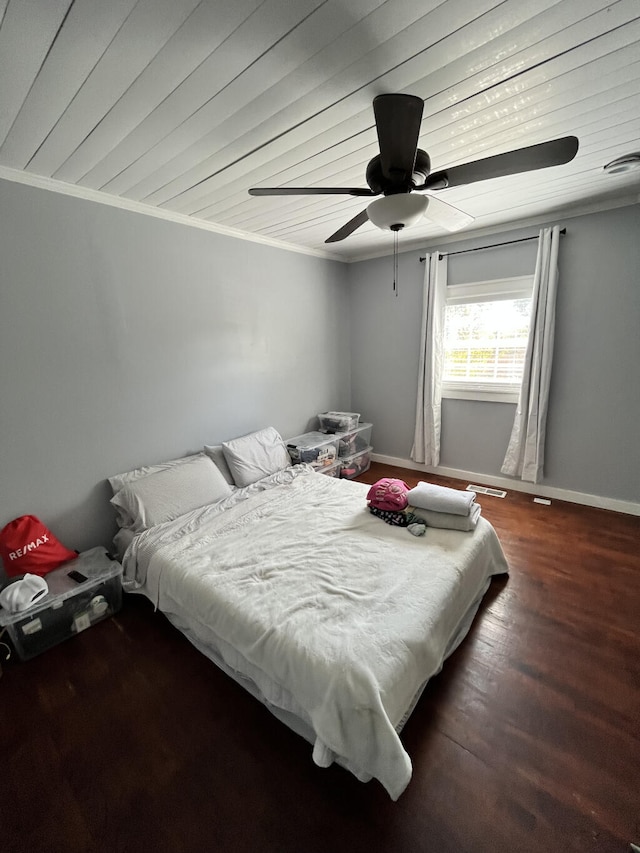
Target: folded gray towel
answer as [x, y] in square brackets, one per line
[448, 520]
[441, 499]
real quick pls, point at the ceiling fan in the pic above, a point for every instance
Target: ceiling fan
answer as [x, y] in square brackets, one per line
[401, 168]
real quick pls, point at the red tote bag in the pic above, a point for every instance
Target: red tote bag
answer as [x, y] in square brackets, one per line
[26, 545]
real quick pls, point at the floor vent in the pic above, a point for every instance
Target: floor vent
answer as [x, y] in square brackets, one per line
[484, 490]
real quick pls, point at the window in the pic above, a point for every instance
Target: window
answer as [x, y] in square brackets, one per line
[486, 330]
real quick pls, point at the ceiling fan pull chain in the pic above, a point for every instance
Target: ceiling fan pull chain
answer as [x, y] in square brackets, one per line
[395, 263]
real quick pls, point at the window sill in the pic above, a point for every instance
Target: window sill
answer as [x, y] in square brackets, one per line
[485, 394]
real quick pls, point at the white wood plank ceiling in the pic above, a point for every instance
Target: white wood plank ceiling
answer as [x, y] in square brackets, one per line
[185, 104]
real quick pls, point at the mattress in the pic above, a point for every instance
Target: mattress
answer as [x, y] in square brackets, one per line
[333, 618]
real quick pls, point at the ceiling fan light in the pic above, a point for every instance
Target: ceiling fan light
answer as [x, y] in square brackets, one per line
[626, 163]
[397, 211]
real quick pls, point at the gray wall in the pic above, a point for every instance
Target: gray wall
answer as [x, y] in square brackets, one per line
[594, 409]
[126, 340]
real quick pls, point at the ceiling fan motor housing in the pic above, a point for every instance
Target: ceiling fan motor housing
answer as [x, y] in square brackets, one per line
[404, 183]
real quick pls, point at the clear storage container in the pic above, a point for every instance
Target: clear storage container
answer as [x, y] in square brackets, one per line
[315, 448]
[331, 470]
[338, 421]
[358, 463]
[355, 440]
[69, 607]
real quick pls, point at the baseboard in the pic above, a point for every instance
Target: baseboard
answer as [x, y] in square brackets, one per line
[628, 507]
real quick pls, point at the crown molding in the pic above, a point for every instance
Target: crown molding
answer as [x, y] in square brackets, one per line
[87, 194]
[418, 244]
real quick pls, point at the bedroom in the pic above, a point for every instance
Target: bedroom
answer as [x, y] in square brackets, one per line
[127, 339]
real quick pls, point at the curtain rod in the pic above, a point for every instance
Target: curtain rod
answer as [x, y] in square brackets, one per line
[492, 246]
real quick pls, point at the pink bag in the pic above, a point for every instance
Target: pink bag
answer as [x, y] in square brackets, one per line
[26, 545]
[389, 494]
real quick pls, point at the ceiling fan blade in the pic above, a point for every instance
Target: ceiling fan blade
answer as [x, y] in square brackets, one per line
[349, 228]
[445, 214]
[540, 156]
[398, 119]
[358, 191]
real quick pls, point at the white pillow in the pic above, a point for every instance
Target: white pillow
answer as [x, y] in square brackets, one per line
[118, 481]
[254, 456]
[215, 452]
[163, 496]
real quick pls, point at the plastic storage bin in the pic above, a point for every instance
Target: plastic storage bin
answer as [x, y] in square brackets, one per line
[315, 448]
[338, 421]
[69, 607]
[354, 441]
[331, 470]
[358, 463]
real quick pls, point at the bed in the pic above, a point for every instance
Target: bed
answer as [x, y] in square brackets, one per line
[332, 618]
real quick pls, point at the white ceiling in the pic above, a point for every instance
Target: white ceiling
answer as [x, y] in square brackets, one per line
[184, 105]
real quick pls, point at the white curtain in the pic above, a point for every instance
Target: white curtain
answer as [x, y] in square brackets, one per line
[426, 442]
[525, 454]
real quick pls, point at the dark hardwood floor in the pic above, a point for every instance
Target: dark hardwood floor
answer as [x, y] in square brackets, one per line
[126, 738]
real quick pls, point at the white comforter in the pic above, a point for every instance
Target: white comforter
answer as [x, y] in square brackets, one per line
[346, 614]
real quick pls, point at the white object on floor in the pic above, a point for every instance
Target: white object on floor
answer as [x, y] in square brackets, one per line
[486, 490]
